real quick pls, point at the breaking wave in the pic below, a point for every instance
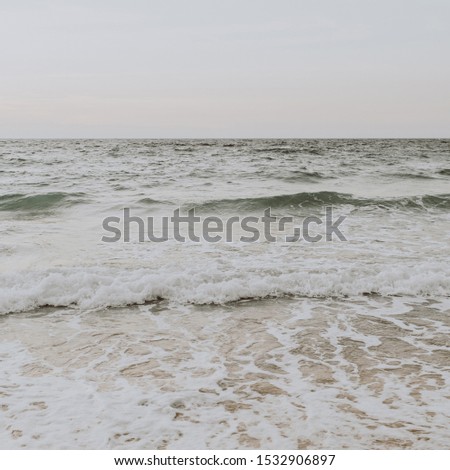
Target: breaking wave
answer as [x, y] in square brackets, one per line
[211, 283]
[323, 198]
[39, 202]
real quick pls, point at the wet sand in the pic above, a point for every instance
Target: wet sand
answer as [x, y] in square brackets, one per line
[372, 373]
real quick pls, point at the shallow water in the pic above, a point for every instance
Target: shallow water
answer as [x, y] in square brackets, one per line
[275, 374]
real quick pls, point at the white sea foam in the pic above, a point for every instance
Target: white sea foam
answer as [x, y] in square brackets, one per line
[213, 282]
[354, 374]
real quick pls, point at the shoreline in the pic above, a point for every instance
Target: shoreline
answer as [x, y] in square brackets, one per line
[276, 373]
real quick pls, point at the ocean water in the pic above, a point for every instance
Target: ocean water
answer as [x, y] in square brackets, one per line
[230, 344]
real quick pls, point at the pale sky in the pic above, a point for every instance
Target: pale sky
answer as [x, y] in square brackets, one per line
[224, 68]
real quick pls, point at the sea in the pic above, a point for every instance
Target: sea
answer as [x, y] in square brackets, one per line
[336, 340]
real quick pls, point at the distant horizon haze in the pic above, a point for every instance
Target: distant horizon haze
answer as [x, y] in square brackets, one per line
[210, 69]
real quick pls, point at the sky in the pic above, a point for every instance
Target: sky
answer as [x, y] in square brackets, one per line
[224, 68]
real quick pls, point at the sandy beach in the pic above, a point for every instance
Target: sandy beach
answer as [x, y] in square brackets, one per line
[275, 374]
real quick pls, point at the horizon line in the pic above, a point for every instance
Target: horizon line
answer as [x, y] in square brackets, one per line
[224, 138]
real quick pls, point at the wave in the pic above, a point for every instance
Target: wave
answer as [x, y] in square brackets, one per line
[323, 198]
[412, 176]
[39, 202]
[211, 283]
[296, 150]
[298, 175]
[148, 201]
